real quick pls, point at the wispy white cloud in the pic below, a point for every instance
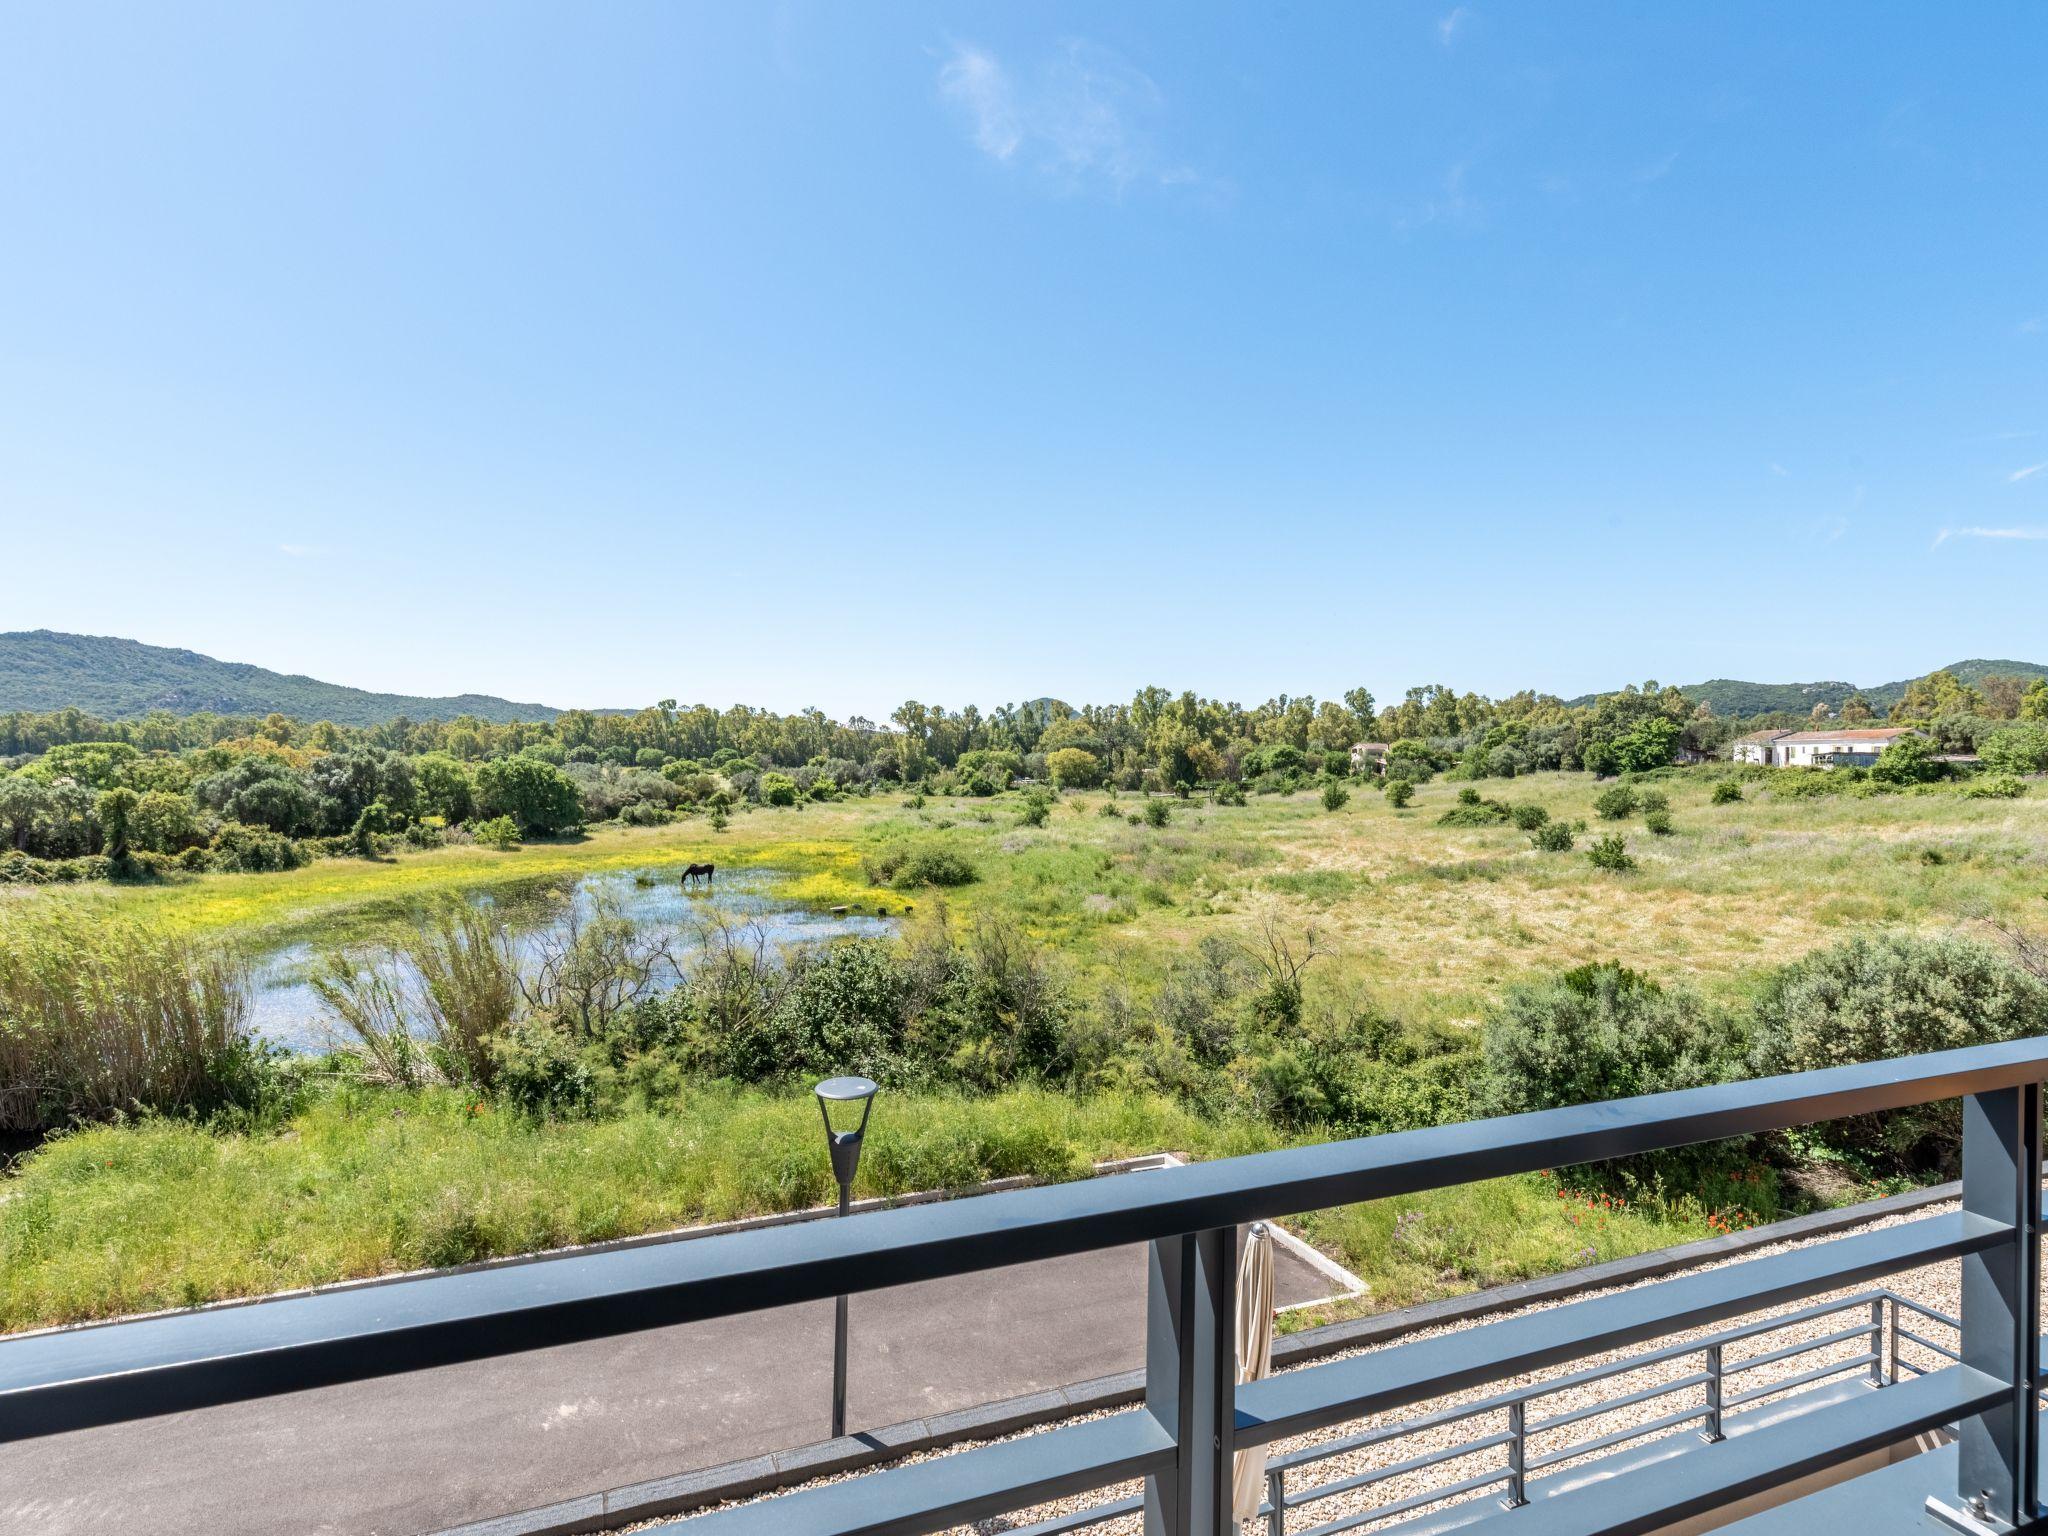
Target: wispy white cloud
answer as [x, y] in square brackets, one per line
[2028, 534]
[2025, 474]
[977, 83]
[1658, 169]
[1780, 470]
[302, 551]
[1087, 117]
[2034, 325]
[1455, 203]
[1451, 23]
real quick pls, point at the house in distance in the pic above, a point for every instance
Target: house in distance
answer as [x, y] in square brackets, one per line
[1858, 747]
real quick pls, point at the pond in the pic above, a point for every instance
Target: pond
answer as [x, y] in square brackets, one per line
[284, 1008]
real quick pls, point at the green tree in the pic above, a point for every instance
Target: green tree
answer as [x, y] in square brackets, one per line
[2035, 705]
[444, 786]
[2016, 749]
[537, 796]
[1074, 768]
[163, 822]
[112, 810]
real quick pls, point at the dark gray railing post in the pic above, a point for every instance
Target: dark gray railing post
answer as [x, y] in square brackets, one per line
[1996, 1448]
[1191, 1379]
[1877, 1341]
[1517, 1493]
[1276, 1502]
[1710, 1428]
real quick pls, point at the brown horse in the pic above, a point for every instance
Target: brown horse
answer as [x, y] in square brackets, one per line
[694, 870]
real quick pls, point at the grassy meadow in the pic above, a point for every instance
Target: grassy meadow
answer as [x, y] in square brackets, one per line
[1428, 921]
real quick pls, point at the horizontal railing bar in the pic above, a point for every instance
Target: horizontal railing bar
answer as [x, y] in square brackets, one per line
[1908, 1335]
[1366, 1479]
[1297, 1402]
[1707, 1477]
[1323, 1452]
[1617, 1437]
[953, 1490]
[1927, 1312]
[1081, 1519]
[1413, 1501]
[1308, 1455]
[1626, 1400]
[1791, 1351]
[74, 1378]
[1917, 1370]
[1804, 1378]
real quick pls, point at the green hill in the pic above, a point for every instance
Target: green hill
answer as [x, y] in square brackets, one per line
[1732, 698]
[41, 669]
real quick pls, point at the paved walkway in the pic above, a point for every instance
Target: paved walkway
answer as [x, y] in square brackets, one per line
[407, 1454]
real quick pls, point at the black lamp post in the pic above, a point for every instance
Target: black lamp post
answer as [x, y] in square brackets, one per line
[845, 1146]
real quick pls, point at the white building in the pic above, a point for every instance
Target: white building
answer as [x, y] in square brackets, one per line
[1858, 747]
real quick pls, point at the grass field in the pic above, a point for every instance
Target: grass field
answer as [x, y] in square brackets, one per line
[1433, 918]
[1429, 921]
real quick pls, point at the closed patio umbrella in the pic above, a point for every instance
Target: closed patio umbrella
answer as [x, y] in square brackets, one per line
[1254, 1361]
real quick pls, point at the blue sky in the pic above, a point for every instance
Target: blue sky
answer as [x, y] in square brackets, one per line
[840, 354]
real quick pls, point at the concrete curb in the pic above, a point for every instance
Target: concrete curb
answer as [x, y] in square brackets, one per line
[829, 1458]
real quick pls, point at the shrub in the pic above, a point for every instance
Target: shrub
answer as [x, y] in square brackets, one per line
[1229, 794]
[1157, 813]
[1553, 837]
[2017, 749]
[1909, 760]
[498, 832]
[1108, 808]
[1995, 786]
[1658, 822]
[242, 849]
[1895, 994]
[1611, 853]
[1615, 803]
[905, 868]
[1400, 792]
[1468, 796]
[1650, 800]
[1600, 1032]
[1529, 817]
[1486, 813]
[1727, 792]
[539, 1072]
[1335, 797]
[778, 789]
[1037, 809]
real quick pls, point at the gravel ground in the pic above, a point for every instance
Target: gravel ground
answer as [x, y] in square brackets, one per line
[1934, 1286]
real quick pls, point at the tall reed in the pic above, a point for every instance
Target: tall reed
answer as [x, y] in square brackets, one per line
[101, 1015]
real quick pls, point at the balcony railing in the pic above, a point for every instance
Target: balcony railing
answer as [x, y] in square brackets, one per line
[1195, 1417]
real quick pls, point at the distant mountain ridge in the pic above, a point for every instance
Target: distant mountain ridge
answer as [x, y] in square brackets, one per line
[42, 669]
[1729, 697]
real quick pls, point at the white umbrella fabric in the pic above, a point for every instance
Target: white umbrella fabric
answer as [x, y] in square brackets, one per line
[1254, 1361]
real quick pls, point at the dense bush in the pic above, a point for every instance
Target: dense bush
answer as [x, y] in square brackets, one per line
[1611, 853]
[906, 867]
[2017, 749]
[1335, 797]
[1909, 760]
[1157, 813]
[1529, 816]
[1995, 786]
[1896, 994]
[1553, 837]
[1400, 791]
[1615, 803]
[1727, 792]
[1658, 822]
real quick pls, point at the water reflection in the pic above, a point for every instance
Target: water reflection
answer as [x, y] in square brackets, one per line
[283, 1006]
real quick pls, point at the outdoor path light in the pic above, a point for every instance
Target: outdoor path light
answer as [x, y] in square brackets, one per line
[844, 1142]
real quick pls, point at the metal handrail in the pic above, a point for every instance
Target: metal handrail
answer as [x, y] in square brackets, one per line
[1711, 1347]
[77, 1378]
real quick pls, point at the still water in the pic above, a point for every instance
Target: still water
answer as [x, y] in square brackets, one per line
[283, 1006]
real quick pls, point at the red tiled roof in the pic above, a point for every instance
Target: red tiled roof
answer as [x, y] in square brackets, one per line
[1880, 733]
